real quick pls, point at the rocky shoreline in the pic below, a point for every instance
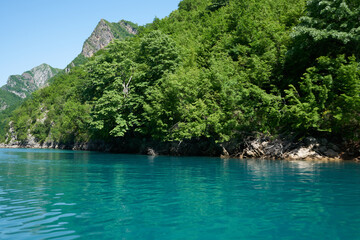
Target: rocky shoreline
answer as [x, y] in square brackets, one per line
[309, 148]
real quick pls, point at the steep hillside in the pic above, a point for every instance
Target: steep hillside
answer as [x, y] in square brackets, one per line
[7, 99]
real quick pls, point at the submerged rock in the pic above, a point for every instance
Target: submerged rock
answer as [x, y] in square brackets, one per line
[151, 152]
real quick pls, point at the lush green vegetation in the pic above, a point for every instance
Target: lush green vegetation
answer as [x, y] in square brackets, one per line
[217, 69]
[9, 102]
[7, 98]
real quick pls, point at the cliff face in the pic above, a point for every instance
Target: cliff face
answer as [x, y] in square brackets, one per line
[104, 33]
[99, 39]
[129, 27]
[23, 85]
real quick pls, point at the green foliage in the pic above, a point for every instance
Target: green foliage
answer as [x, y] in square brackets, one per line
[118, 81]
[79, 60]
[324, 55]
[12, 103]
[329, 28]
[328, 97]
[110, 88]
[8, 99]
[217, 103]
[216, 4]
[54, 113]
[159, 53]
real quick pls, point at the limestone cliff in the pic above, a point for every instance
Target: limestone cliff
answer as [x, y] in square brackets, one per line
[99, 39]
[102, 35]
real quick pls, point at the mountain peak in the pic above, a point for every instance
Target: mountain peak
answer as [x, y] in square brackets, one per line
[104, 33]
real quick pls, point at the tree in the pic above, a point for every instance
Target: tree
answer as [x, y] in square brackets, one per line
[216, 4]
[159, 52]
[328, 98]
[329, 28]
[111, 88]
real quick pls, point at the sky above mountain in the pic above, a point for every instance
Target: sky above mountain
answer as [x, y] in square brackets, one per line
[52, 32]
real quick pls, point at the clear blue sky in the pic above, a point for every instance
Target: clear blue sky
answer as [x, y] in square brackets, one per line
[53, 31]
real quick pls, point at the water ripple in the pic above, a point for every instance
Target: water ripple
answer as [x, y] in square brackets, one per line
[69, 195]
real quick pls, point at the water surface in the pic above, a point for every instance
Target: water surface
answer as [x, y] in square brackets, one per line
[53, 194]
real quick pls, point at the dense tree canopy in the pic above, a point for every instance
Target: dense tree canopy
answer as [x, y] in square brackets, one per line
[323, 69]
[329, 28]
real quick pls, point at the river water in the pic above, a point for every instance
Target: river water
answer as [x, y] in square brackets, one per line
[55, 194]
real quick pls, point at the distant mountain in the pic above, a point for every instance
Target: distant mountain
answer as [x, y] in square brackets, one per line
[103, 34]
[21, 86]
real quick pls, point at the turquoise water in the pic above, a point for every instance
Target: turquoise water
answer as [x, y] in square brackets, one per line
[51, 194]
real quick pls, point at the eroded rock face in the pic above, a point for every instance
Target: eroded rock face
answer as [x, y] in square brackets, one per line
[104, 33]
[128, 27]
[3, 105]
[99, 39]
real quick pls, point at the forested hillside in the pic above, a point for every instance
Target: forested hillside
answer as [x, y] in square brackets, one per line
[220, 70]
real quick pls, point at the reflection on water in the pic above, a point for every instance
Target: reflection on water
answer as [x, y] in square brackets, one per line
[52, 194]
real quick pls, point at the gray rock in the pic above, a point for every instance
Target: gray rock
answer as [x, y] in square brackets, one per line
[103, 35]
[311, 141]
[334, 147]
[128, 27]
[331, 153]
[302, 153]
[100, 38]
[322, 149]
[151, 152]
[225, 153]
[323, 141]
